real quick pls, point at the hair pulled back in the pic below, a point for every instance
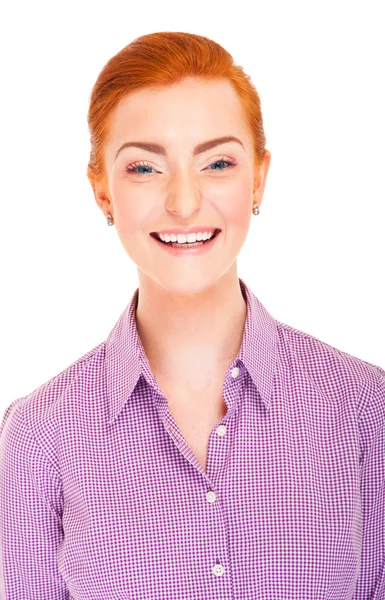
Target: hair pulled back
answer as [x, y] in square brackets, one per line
[163, 59]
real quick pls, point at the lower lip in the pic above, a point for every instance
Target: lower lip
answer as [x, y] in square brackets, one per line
[194, 250]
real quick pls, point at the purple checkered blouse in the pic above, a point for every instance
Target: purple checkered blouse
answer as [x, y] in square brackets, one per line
[102, 499]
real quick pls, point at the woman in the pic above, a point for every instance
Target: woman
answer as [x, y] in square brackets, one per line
[204, 449]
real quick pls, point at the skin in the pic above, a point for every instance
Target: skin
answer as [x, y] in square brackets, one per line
[191, 312]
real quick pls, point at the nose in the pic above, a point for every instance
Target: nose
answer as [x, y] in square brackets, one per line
[184, 196]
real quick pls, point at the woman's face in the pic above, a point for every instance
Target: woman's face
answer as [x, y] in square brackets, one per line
[148, 190]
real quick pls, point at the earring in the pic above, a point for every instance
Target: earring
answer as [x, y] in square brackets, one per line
[256, 209]
[110, 220]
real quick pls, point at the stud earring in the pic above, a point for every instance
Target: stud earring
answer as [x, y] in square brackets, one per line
[256, 209]
[110, 220]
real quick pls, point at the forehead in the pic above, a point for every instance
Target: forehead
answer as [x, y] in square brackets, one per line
[193, 109]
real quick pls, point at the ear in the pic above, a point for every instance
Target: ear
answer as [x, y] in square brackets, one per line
[260, 177]
[100, 192]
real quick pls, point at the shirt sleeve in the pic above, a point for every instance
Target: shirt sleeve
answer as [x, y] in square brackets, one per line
[30, 523]
[371, 581]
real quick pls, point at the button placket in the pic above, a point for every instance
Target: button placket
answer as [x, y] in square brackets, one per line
[218, 569]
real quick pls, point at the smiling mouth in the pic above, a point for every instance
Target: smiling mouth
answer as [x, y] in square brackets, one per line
[186, 244]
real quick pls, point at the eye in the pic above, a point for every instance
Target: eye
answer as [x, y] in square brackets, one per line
[223, 160]
[139, 165]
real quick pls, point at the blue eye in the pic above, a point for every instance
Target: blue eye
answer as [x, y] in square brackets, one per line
[217, 162]
[139, 165]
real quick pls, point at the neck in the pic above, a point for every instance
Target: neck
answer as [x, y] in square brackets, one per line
[189, 335]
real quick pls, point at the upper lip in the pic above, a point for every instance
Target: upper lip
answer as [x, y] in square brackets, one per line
[187, 230]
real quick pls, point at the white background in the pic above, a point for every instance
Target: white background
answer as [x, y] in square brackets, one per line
[315, 254]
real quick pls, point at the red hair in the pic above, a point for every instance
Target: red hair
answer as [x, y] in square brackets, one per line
[161, 59]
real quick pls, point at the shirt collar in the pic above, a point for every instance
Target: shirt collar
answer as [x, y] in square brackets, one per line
[126, 361]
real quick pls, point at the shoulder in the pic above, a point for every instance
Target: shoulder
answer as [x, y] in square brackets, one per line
[337, 374]
[41, 410]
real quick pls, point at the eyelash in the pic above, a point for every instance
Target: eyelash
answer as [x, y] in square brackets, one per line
[131, 168]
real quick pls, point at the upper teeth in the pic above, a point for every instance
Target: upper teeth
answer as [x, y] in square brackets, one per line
[190, 237]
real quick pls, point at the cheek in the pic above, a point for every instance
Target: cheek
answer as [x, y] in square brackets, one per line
[130, 210]
[128, 225]
[234, 201]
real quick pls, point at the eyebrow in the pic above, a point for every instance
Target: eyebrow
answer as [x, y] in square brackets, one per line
[158, 149]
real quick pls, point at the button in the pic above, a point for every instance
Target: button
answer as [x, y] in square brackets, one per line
[218, 569]
[235, 372]
[211, 496]
[221, 430]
